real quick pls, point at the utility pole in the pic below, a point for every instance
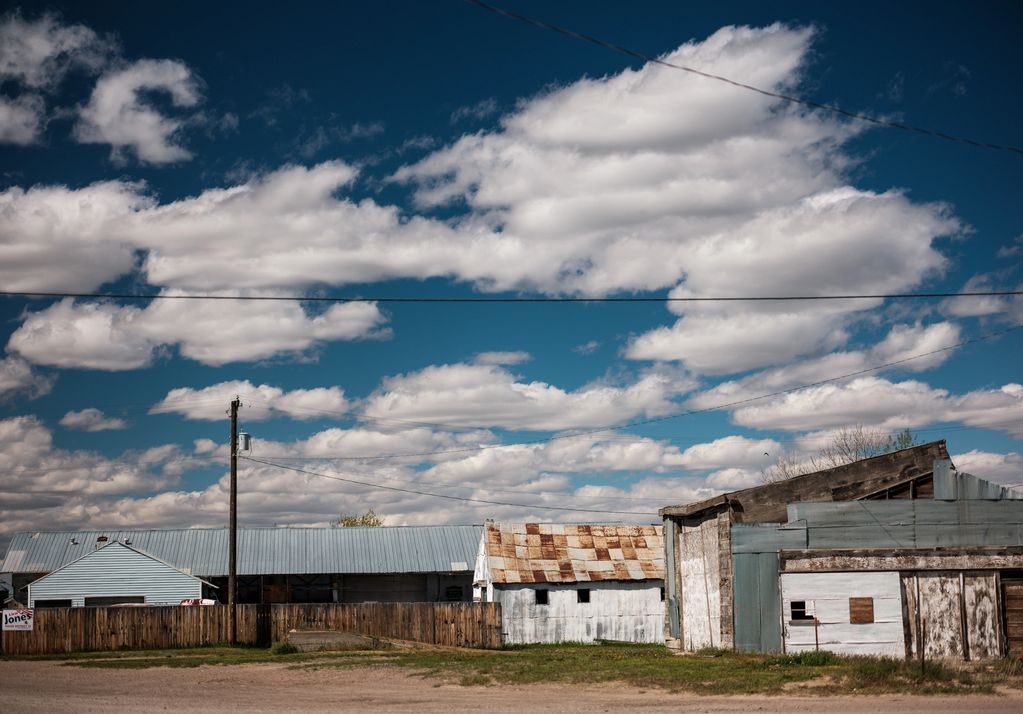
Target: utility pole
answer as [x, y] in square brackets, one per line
[232, 556]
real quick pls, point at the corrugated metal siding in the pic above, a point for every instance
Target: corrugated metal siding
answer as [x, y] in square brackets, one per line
[116, 570]
[909, 524]
[267, 551]
[624, 611]
[755, 587]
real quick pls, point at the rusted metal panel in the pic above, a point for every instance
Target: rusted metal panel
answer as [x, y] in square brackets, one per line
[827, 597]
[621, 611]
[556, 553]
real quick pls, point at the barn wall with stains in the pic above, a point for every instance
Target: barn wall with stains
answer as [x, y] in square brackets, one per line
[954, 614]
[622, 611]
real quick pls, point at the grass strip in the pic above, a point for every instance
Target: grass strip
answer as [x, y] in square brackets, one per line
[711, 671]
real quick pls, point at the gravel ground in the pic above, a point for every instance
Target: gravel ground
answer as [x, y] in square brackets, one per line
[47, 686]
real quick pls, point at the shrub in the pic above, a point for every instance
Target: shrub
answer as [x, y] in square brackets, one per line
[283, 648]
[822, 658]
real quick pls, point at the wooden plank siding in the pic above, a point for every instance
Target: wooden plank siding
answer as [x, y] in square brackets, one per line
[81, 629]
[1013, 603]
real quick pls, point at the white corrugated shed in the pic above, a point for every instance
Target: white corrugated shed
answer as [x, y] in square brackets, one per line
[116, 571]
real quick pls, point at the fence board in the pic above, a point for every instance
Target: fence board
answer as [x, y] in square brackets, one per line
[80, 629]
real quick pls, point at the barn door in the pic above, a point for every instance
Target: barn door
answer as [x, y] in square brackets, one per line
[1012, 599]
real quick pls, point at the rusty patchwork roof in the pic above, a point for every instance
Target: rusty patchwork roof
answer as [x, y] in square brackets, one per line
[556, 553]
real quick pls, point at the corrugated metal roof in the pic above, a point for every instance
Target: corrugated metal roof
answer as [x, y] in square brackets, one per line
[266, 551]
[554, 553]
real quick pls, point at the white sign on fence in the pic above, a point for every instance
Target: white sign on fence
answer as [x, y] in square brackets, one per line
[18, 620]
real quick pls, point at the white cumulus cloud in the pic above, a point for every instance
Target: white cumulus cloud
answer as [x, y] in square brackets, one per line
[118, 114]
[488, 395]
[91, 419]
[259, 402]
[112, 337]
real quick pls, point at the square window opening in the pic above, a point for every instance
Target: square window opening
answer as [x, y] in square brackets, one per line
[801, 611]
[582, 595]
[541, 597]
[861, 610]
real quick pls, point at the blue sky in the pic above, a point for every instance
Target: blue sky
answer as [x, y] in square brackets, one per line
[438, 150]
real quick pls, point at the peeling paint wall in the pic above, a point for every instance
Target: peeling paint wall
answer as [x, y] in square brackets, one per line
[627, 611]
[827, 597]
[700, 571]
[956, 613]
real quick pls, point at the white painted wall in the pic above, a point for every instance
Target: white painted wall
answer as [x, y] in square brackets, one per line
[626, 611]
[829, 594]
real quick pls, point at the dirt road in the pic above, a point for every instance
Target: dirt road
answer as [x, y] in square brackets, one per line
[252, 689]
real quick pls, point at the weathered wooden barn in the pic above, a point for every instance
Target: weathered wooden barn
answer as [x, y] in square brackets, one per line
[115, 574]
[281, 565]
[573, 583]
[881, 556]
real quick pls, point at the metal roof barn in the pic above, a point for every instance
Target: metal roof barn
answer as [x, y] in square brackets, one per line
[265, 551]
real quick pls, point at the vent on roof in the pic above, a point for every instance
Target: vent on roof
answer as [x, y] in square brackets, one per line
[100, 541]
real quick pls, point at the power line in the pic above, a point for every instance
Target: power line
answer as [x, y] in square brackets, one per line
[517, 299]
[692, 441]
[741, 85]
[690, 412]
[440, 495]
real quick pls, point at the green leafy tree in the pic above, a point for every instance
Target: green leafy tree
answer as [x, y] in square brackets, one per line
[366, 519]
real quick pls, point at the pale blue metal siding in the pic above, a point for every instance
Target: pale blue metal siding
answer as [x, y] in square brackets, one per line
[267, 551]
[116, 570]
[757, 601]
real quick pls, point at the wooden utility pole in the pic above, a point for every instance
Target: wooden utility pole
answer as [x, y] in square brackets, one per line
[232, 556]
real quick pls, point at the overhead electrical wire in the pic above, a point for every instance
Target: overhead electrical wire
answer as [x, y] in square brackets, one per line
[888, 123]
[518, 299]
[690, 412]
[822, 438]
[441, 495]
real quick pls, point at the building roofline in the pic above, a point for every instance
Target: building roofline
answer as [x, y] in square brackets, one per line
[723, 500]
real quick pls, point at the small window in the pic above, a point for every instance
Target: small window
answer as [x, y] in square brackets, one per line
[53, 603]
[541, 597]
[861, 610]
[582, 595]
[801, 611]
[662, 594]
[111, 600]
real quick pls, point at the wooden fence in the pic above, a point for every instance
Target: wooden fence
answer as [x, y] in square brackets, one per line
[80, 629]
